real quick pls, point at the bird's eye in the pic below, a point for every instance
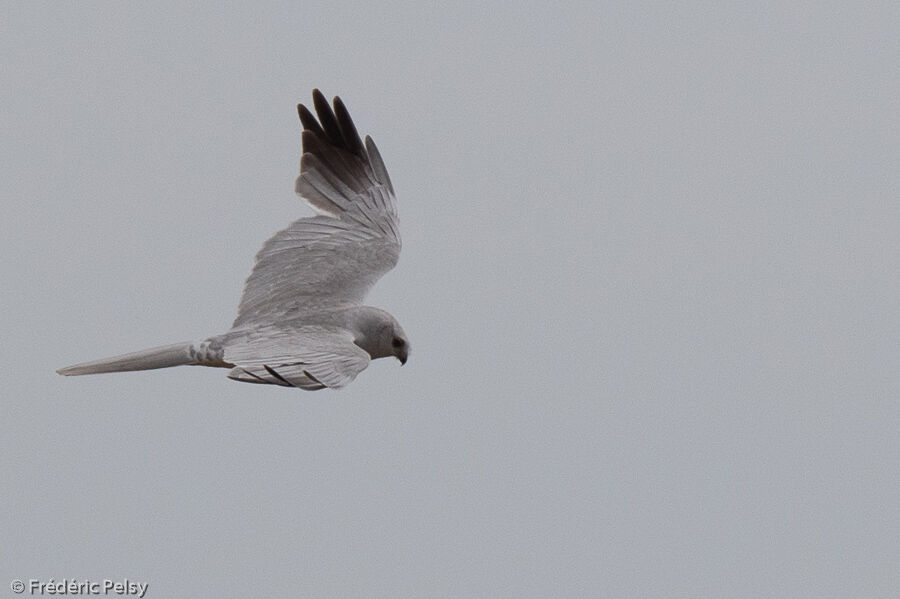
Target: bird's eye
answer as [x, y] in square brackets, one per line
[397, 342]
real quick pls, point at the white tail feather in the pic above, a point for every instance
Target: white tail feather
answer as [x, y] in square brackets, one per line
[148, 359]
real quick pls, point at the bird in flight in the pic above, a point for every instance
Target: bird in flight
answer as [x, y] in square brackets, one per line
[301, 321]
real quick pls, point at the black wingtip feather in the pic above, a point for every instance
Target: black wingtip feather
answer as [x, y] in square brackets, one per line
[348, 129]
[327, 119]
[308, 121]
[334, 125]
[313, 379]
[276, 375]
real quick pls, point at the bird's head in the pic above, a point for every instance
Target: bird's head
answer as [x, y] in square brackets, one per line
[399, 344]
[393, 340]
[380, 334]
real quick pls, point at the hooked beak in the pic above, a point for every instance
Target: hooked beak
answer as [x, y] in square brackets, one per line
[403, 357]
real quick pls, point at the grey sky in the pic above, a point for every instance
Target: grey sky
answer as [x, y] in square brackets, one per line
[649, 277]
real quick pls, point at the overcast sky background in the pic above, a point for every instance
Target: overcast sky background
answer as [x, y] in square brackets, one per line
[650, 276]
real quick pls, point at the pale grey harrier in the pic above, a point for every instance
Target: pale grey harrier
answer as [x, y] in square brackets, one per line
[301, 322]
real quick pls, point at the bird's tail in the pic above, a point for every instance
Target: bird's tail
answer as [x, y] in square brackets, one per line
[158, 357]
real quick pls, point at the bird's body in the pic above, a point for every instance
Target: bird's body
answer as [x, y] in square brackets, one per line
[301, 322]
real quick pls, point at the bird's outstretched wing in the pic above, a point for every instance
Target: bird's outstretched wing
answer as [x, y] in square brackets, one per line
[309, 357]
[333, 259]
